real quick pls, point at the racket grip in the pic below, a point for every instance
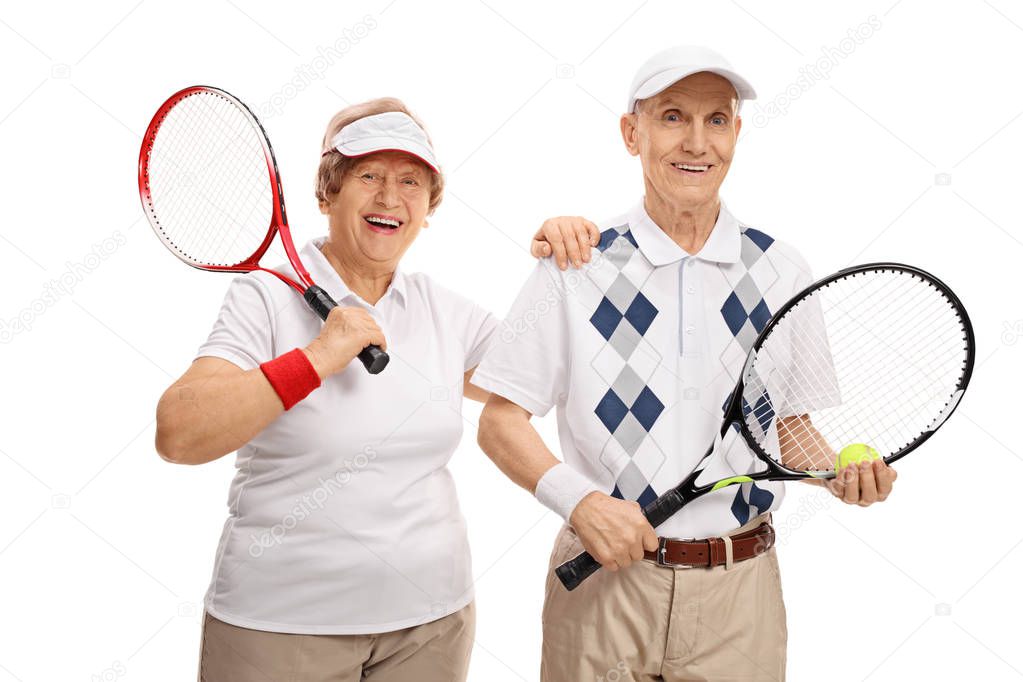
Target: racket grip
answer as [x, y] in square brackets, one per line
[372, 358]
[663, 508]
[574, 571]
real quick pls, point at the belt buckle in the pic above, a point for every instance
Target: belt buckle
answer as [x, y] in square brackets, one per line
[662, 550]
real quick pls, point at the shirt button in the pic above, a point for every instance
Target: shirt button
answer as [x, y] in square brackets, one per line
[691, 290]
[690, 264]
[689, 330]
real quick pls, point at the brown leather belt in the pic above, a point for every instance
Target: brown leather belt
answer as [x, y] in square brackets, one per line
[712, 551]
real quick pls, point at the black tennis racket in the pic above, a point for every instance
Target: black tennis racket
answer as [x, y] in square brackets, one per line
[879, 354]
[210, 188]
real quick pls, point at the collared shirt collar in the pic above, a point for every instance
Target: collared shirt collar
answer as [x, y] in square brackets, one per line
[722, 246]
[326, 276]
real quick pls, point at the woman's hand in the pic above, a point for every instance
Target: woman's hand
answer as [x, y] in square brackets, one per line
[345, 333]
[567, 238]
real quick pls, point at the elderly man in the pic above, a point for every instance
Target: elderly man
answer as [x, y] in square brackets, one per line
[638, 351]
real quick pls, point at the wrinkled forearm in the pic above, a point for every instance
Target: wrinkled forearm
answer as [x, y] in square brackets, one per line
[206, 415]
[509, 439]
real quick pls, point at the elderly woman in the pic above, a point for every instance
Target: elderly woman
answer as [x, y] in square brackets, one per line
[344, 555]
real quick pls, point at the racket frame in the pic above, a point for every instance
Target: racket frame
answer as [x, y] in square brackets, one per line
[374, 359]
[278, 220]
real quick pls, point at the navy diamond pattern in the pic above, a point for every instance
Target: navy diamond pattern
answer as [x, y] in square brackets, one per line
[762, 240]
[641, 313]
[746, 313]
[610, 235]
[629, 408]
[733, 312]
[647, 408]
[623, 316]
[760, 316]
[750, 500]
[611, 410]
[606, 318]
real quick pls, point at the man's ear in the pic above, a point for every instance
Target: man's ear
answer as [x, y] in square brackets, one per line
[738, 126]
[324, 207]
[628, 125]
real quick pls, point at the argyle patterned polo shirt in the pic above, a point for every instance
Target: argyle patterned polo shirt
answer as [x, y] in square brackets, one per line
[639, 350]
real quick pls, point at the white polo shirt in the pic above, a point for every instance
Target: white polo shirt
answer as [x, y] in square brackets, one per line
[343, 517]
[639, 351]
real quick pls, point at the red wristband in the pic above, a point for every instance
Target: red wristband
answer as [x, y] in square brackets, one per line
[292, 376]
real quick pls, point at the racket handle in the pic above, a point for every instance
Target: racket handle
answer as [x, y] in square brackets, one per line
[374, 359]
[320, 301]
[663, 508]
[574, 571]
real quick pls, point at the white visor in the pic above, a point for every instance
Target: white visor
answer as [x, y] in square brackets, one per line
[390, 131]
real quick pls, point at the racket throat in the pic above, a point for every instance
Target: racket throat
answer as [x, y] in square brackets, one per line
[733, 410]
[725, 482]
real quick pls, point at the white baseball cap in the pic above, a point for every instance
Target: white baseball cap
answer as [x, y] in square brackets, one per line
[672, 65]
[390, 131]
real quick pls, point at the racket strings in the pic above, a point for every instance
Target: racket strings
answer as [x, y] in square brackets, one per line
[897, 366]
[225, 140]
[209, 181]
[952, 337]
[871, 358]
[894, 387]
[912, 301]
[198, 209]
[871, 412]
[821, 361]
[901, 368]
[876, 399]
[257, 192]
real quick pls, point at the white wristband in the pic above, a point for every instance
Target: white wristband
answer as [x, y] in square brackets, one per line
[562, 488]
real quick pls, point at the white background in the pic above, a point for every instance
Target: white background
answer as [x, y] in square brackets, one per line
[908, 151]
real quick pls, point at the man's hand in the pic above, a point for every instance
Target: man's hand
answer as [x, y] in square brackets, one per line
[567, 238]
[864, 483]
[613, 531]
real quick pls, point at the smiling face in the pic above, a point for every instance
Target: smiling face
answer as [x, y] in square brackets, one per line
[379, 209]
[685, 137]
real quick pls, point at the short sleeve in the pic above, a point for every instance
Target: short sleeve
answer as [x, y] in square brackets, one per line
[243, 332]
[811, 381]
[528, 360]
[803, 274]
[478, 335]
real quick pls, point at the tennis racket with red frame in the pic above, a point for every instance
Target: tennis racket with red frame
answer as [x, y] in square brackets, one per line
[210, 188]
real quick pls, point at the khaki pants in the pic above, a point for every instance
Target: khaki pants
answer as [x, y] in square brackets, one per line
[432, 652]
[649, 622]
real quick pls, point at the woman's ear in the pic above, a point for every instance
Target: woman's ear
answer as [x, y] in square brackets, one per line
[324, 207]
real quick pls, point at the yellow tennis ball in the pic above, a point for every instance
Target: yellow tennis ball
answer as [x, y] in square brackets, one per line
[854, 454]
